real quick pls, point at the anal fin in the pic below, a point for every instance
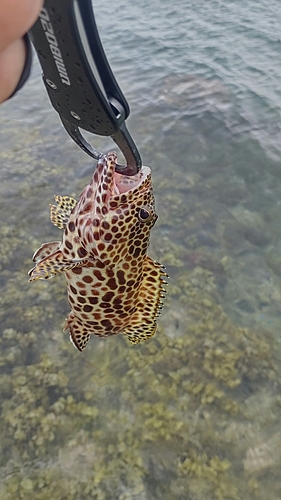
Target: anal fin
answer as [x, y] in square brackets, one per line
[60, 213]
[51, 265]
[150, 301]
[77, 333]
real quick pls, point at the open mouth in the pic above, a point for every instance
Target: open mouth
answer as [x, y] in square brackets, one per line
[110, 183]
[125, 183]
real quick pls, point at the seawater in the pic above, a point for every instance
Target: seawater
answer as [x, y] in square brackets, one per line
[195, 412]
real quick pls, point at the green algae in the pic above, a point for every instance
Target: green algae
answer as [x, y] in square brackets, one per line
[93, 426]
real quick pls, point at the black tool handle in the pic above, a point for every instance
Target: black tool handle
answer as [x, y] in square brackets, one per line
[76, 73]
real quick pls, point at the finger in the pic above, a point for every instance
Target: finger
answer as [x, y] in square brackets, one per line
[16, 17]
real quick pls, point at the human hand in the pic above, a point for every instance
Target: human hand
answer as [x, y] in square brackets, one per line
[16, 18]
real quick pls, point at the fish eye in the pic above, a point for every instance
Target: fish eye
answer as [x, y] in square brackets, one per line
[145, 214]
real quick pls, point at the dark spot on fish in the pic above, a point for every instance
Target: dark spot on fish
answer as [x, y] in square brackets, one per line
[81, 285]
[105, 224]
[89, 192]
[112, 284]
[73, 289]
[82, 300]
[121, 277]
[137, 252]
[87, 308]
[93, 300]
[71, 226]
[87, 279]
[106, 323]
[77, 270]
[100, 264]
[108, 297]
[98, 275]
[82, 252]
[117, 301]
[107, 236]
[68, 244]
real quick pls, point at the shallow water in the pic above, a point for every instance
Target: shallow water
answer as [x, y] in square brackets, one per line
[195, 412]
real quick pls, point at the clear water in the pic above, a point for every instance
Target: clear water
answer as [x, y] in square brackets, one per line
[195, 412]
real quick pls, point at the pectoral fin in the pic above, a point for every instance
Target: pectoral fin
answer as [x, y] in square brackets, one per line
[143, 322]
[51, 265]
[46, 250]
[60, 213]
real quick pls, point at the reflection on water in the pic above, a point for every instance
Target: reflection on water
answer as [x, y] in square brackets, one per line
[195, 412]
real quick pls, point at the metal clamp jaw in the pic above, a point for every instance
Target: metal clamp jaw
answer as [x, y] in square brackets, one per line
[78, 78]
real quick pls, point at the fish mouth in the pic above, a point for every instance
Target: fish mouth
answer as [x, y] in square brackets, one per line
[125, 183]
[110, 184]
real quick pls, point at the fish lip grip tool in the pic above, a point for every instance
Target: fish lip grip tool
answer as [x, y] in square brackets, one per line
[79, 80]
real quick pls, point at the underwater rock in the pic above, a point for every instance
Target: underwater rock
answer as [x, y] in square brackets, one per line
[192, 92]
[245, 305]
[266, 454]
[257, 237]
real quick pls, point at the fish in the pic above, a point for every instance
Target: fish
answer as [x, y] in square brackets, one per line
[113, 286]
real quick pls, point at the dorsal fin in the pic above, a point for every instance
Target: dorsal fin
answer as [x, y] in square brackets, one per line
[60, 213]
[143, 321]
